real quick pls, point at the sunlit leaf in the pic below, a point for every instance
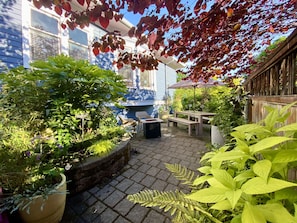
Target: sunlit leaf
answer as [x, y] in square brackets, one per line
[230, 12]
[275, 212]
[268, 142]
[233, 197]
[285, 156]
[258, 185]
[209, 195]
[251, 214]
[104, 22]
[262, 168]
[224, 178]
[222, 205]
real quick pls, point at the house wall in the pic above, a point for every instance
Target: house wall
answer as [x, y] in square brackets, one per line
[15, 51]
[11, 54]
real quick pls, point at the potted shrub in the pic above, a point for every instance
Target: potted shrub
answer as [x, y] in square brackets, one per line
[30, 177]
[229, 114]
[246, 180]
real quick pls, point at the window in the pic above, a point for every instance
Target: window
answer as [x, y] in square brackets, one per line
[127, 73]
[146, 80]
[44, 36]
[78, 44]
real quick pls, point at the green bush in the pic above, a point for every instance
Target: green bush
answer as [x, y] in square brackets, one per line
[68, 96]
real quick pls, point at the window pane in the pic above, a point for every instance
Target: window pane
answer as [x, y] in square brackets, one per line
[43, 46]
[78, 36]
[78, 52]
[146, 79]
[44, 22]
[127, 74]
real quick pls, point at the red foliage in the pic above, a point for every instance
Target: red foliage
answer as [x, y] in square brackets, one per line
[217, 37]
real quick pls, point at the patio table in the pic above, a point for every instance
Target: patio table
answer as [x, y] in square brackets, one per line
[198, 116]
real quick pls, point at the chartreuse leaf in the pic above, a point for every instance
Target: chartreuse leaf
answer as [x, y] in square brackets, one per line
[233, 197]
[289, 127]
[268, 143]
[202, 179]
[285, 156]
[222, 205]
[249, 128]
[271, 117]
[224, 178]
[295, 208]
[207, 156]
[262, 169]
[287, 193]
[209, 195]
[280, 168]
[204, 169]
[258, 185]
[276, 213]
[236, 219]
[244, 175]
[251, 214]
[243, 146]
[230, 155]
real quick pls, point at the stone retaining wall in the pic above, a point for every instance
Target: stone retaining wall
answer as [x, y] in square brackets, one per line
[93, 170]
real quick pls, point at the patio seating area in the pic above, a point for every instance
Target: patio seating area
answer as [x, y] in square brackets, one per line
[191, 119]
[107, 203]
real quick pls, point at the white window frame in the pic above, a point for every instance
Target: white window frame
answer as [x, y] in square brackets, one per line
[33, 29]
[86, 47]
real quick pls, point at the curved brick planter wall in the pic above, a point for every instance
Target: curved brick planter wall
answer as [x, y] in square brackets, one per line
[93, 170]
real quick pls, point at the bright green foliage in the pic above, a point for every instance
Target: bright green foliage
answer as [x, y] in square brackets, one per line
[246, 180]
[49, 116]
[63, 94]
[101, 148]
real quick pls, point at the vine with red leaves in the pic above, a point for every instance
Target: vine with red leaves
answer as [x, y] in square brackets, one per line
[215, 37]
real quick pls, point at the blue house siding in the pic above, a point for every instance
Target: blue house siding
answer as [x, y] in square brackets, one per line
[11, 53]
[14, 51]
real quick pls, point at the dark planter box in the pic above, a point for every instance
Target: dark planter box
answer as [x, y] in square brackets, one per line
[94, 170]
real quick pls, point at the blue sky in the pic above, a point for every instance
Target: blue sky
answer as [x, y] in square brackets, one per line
[134, 18]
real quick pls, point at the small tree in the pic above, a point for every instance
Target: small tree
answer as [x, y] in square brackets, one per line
[66, 95]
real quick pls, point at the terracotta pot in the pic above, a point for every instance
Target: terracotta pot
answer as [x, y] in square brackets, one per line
[47, 210]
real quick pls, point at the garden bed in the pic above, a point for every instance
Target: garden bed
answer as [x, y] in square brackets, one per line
[93, 170]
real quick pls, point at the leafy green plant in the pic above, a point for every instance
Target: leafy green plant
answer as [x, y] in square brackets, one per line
[244, 181]
[49, 116]
[230, 111]
[101, 148]
[30, 167]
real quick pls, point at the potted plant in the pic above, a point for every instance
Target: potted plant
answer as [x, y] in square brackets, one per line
[229, 114]
[30, 175]
[247, 180]
[163, 112]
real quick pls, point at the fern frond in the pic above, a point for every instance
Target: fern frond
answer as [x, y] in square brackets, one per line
[182, 173]
[175, 202]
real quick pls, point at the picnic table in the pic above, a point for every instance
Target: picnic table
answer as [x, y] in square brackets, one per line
[191, 118]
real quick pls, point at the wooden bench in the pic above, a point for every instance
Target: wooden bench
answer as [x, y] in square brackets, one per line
[183, 121]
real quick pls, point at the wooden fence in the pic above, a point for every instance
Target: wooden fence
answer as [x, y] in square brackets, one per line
[274, 82]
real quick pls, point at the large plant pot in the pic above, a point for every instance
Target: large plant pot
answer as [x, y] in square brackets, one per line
[47, 210]
[164, 115]
[217, 138]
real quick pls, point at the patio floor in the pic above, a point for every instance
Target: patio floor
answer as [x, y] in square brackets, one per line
[107, 203]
